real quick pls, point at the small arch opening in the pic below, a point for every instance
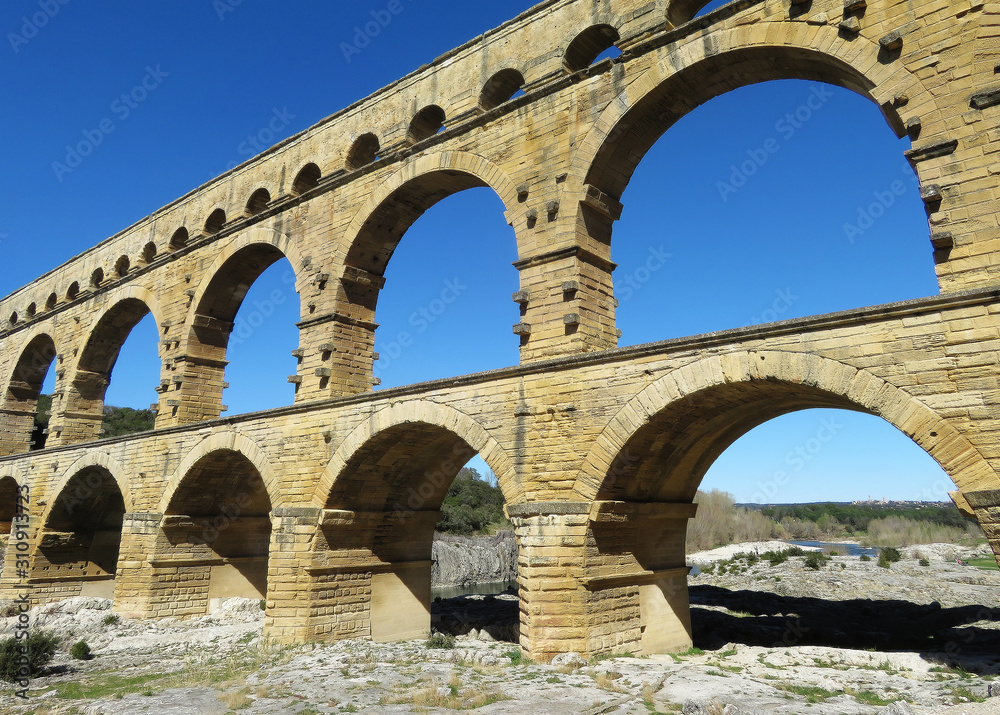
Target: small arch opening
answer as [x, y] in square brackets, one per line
[8, 504]
[149, 253]
[501, 87]
[363, 152]
[13, 318]
[31, 310]
[428, 122]
[215, 222]
[307, 179]
[97, 277]
[123, 266]
[51, 301]
[594, 43]
[73, 291]
[179, 239]
[258, 201]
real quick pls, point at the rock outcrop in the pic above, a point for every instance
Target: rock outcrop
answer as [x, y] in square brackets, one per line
[463, 561]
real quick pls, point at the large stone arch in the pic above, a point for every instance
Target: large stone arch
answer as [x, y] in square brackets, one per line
[428, 413]
[77, 543]
[812, 381]
[79, 419]
[487, 173]
[100, 460]
[818, 53]
[247, 239]
[21, 389]
[232, 441]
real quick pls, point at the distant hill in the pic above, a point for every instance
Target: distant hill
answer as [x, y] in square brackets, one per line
[117, 421]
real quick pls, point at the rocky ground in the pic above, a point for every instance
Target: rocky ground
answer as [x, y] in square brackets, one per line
[849, 637]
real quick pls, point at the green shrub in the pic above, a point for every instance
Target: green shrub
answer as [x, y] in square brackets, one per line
[888, 556]
[865, 557]
[924, 562]
[41, 646]
[110, 619]
[81, 651]
[440, 640]
[815, 561]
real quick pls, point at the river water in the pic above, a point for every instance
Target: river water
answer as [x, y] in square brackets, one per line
[485, 589]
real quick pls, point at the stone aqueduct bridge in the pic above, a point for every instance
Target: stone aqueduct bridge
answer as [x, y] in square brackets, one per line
[326, 508]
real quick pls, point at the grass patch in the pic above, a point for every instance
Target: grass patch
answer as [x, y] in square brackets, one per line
[986, 564]
[518, 658]
[110, 685]
[811, 693]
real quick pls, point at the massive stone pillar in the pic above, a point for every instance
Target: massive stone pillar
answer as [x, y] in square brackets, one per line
[607, 577]
[135, 580]
[986, 506]
[290, 596]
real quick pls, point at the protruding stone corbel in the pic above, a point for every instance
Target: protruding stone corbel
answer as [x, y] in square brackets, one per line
[602, 203]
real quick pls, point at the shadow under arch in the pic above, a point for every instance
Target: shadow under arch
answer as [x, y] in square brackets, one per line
[660, 444]
[700, 70]
[10, 491]
[217, 522]
[377, 229]
[22, 389]
[77, 547]
[382, 494]
[81, 417]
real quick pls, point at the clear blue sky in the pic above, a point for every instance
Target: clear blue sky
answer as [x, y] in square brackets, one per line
[774, 248]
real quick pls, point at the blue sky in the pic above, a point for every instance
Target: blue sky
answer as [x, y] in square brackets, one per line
[745, 201]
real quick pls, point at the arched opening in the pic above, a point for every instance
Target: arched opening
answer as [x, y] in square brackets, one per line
[13, 319]
[500, 88]
[9, 494]
[215, 221]
[78, 546]
[51, 301]
[73, 291]
[258, 201]
[681, 11]
[385, 510]
[780, 200]
[653, 475]
[592, 44]
[31, 310]
[148, 253]
[27, 403]
[436, 291]
[179, 239]
[247, 317]
[363, 152]
[307, 179]
[427, 122]
[218, 524]
[122, 267]
[129, 321]
[97, 278]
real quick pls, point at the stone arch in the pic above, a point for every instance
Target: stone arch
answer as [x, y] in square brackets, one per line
[78, 541]
[501, 87]
[590, 41]
[423, 412]
[91, 460]
[21, 390]
[219, 442]
[9, 494]
[306, 178]
[262, 237]
[80, 418]
[630, 124]
[465, 170]
[767, 384]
